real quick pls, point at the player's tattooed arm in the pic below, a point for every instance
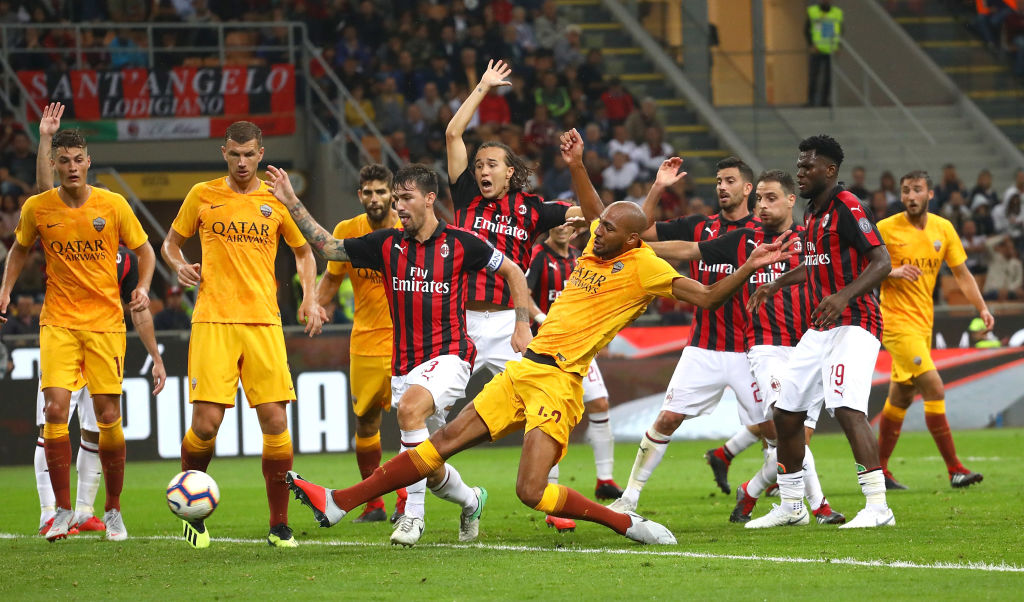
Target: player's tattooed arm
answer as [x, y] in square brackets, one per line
[321, 241]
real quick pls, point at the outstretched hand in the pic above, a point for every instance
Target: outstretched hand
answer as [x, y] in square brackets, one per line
[774, 252]
[49, 124]
[280, 186]
[668, 173]
[571, 146]
[496, 75]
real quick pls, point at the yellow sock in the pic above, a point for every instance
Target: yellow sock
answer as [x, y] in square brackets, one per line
[425, 457]
[111, 434]
[194, 445]
[553, 499]
[277, 447]
[935, 406]
[893, 413]
[55, 431]
[368, 443]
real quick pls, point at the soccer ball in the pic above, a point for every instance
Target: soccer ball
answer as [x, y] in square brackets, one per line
[192, 495]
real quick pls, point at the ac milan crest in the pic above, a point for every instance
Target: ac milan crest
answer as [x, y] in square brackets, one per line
[522, 210]
[776, 385]
[824, 221]
[444, 249]
[98, 223]
[798, 246]
[265, 210]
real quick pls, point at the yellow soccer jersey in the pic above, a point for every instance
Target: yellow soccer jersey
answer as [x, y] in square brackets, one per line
[907, 306]
[371, 328]
[239, 234]
[80, 245]
[601, 297]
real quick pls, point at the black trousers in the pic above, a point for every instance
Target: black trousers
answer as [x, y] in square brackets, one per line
[819, 80]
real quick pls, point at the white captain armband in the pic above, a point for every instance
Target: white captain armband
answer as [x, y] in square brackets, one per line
[497, 257]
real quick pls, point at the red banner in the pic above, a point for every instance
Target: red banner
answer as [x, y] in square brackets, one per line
[229, 92]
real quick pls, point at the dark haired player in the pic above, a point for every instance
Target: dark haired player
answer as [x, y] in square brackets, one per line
[919, 242]
[771, 332]
[845, 259]
[715, 357]
[236, 325]
[370, 342]
[425, 269]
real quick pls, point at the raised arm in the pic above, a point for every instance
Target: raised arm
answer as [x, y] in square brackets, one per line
[143, 321]
[322, 242]
[965, 280]
[571, 146]
[49, 124]
[310, 312]
[714, 296]
[668, 174]
[521, 300]
[495, 76]
[676, 250]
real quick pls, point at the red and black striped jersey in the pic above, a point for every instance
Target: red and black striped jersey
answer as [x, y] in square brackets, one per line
[722, 329]
[548, 273]
[426, 285]
[510, 223]
[838, 238]
[784, 317]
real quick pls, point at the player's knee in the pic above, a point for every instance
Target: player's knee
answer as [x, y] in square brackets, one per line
[413, 411]
[668, 422]
[55, 413]
[529, 494]
[598, 405]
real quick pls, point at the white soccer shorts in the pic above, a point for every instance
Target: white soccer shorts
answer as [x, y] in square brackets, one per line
[834, 366]
[80, 399]
[769, 365]
[593, 384]
[491, 332]
[701, 377]
[445, 377]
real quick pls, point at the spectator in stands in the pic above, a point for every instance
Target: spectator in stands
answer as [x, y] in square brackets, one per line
[620, 142]
[389, 107]
[635, 193]
[642, 118]
[440, 74]
[25, 319]
[548, 26]
[887, 184]
[857, 185]
[989, 21]
[8, 126]
[350, 46]
[465, 74]
[494, 109]
[9, 216]
[18, 167]
[509, 46]
[121, 11]
[524, 31]
[353, 117]
[398, 142]
[520, 101]
[983, 219]
[983, 190]
[1005, 278]
[592, 140]
[1006, 218]
[124, 52]
[879, 208]
[956, 211]
[974, 245]
[174, 315]
[204, 37]
[370, 24]
[273, 41]
[652, 153]
[1017, 187]
[568, 49]
[25, 58]
[448, 46]
[697, 206]
[1014, 28]
[540, 133]
[950, 182]
[430, 103]
[618, 176]
[552, 95]
[595, 165]
[618, 103]
[167, 56]
[417, 130]
[591, 74]
[557, 181]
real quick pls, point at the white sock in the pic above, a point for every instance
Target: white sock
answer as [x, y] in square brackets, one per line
[414, 505]
[766, 475]
[652, 450]
[812, 486]
[553, 475]
[454, 490]
[791, 490]
[872, 485]
[601, 439]
[89, 473]
[47, 501]
[740, 441]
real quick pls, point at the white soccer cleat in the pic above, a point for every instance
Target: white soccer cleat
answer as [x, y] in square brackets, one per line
[115, 525]
[779, 517]
[623, 505]
[408, 531]
[61, 524]
[868, 518]
[648, 531]
[469, 524]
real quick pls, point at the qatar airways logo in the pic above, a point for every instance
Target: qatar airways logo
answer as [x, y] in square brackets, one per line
[716, 268]
[79, 250]
[813, 257]
[418, 282]
[502, 225]
[372, 275]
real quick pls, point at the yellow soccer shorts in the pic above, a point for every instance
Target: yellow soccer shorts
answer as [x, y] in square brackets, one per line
[911, 354]
[221, 354]
[66, 355]
[528, 395]
[370, 382]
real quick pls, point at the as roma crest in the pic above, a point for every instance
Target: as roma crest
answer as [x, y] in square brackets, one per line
[265, 210]
[99, 223]
[617, 267]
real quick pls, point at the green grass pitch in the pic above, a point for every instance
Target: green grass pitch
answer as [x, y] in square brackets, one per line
[947, 544]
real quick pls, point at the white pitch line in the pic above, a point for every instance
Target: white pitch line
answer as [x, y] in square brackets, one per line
[896, 564]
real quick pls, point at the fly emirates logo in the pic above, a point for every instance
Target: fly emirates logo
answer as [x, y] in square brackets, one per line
[813, 257]
[418, 282]
[501, 225]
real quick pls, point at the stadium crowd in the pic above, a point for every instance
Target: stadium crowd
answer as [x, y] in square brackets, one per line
[409, 66]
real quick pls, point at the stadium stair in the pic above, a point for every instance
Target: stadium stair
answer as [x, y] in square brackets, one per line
[690, 138]
[946, 34]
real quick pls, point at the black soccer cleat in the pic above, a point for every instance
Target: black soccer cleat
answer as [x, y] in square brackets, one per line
[960, 480]
[891, 484]
[720, 469]
[607, 490]
[372, 515]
